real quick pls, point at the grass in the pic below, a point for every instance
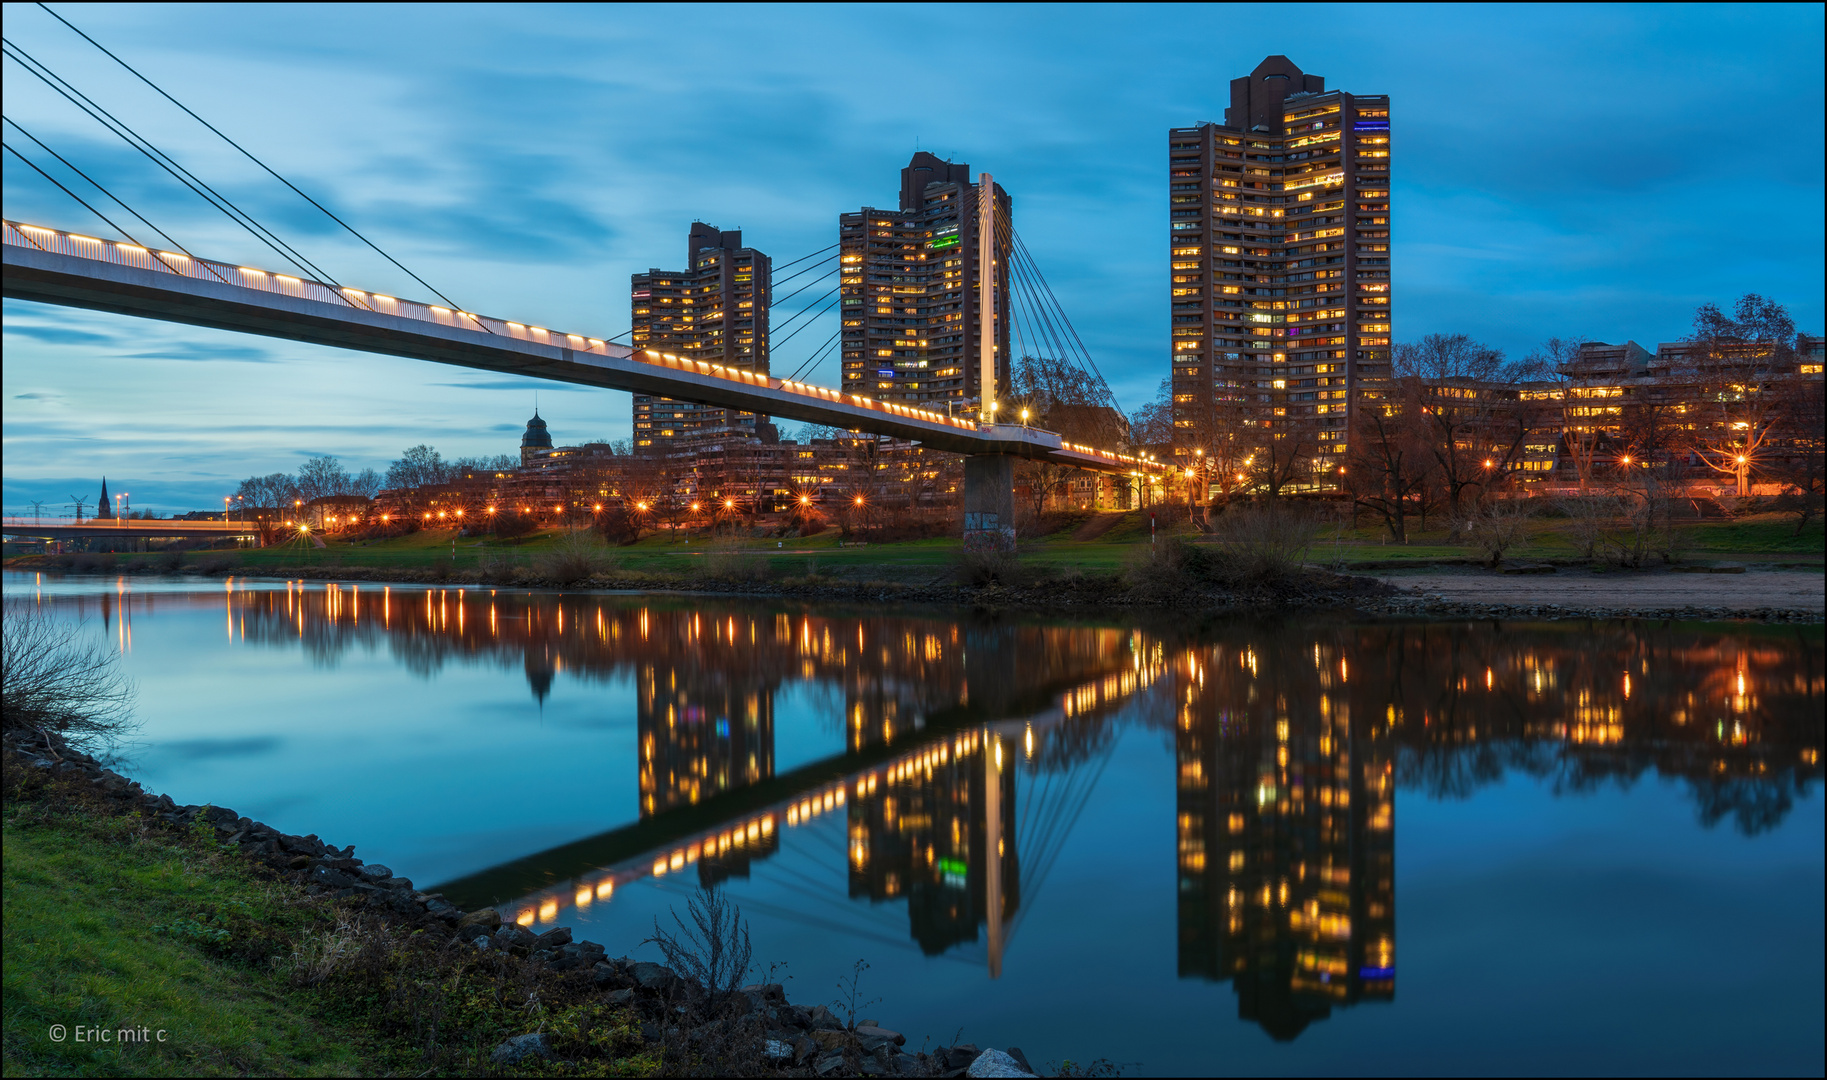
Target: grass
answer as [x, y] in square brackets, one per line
[667, 557]
[111, 925]
[115, 922]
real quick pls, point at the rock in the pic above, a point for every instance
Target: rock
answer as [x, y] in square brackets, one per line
[996, 1063]
[514, 936]
[1020, 1058]
[487, 917]
[403, 883]
[299, 862]
[831, 1038]
[376, 872]
[472, 932]
[521, 1047]
[866, 1032]
[772, 992]
[823, 1017]
[590, 952]
[961, 1056]
[652, 976]
[624, 996]
[331, 878]
[829, 1062]
[565, 963]
[803, 1048]
[776, 1051]
[553, 938]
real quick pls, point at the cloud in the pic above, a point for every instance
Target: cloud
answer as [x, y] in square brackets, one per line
[201, 352]
[58, 335]
[34, 396]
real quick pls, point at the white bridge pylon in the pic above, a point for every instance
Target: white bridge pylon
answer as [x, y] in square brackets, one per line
[56, 267]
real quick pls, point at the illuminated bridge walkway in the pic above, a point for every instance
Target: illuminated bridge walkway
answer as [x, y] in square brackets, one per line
[65, 529]
[54, 267]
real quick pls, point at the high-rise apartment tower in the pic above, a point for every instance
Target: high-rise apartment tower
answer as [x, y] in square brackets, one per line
[715, 310]
[1280, 261]
[911, 297]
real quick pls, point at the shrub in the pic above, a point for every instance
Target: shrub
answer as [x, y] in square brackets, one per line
[728, 562]
[1496, 528]
[575, 555]
[55, 678]
[1264, 545]
[712, 952]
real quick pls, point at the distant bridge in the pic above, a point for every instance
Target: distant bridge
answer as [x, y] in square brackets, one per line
[63, 529]
[69, 269]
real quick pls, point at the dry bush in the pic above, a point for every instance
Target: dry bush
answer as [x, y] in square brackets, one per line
[575, 556]
[1588, 521]
[55, 678]
[727, 560]
[713, 951]
[1496, 528]
[1265, 545]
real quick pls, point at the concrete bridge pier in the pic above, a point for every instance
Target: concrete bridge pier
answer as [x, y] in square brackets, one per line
[989, 502]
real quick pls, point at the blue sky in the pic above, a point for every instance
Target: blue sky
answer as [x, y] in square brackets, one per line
[1582, 170]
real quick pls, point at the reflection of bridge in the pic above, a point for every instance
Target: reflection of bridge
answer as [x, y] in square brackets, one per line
[156, 527]
[1288, 741]
[56, 267]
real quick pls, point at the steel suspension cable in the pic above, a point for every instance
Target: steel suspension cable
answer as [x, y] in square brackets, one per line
[816, 356]
[1062, 311]
[263, 165]
[158, 157]
[815, 281]
[117, 201]
[772, 346]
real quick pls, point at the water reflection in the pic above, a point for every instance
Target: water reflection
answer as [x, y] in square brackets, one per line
[970, 747]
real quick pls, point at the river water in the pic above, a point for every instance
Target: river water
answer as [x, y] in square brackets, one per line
[1226, 846]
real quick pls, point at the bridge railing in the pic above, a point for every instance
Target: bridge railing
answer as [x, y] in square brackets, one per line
[151, 525]
[119, 253]
[248, 277]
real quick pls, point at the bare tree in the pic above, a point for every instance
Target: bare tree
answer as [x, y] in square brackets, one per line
[1476, 423]
[714, 950]
[418, 466]
[54, 678]
[1803, 463]
[1581, 433]
[1152, 425]
[321, 476]
[1389, 466]
[1736, 365]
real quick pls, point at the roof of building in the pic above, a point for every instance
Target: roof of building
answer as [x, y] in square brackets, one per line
[536, 433]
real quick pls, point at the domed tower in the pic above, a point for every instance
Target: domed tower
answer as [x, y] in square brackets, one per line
[536, 438]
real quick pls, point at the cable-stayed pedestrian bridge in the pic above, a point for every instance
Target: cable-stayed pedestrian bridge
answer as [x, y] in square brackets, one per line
[56, 267]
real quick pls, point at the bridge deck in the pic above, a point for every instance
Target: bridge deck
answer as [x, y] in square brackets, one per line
[69, 269]
[59, 529]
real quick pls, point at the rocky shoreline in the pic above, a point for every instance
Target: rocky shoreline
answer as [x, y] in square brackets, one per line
[1435, 606]
[773, 1035]
[1319, 591]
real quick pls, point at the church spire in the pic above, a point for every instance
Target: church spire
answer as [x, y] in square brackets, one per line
[102, 509]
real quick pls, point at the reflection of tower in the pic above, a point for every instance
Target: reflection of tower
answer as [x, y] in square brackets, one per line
[540, 673]
[925, 834]
[1286, 838]
[699, 740]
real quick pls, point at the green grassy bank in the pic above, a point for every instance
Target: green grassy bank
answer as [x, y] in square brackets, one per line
[116, 921]
[112, 924]
[1108, 546]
